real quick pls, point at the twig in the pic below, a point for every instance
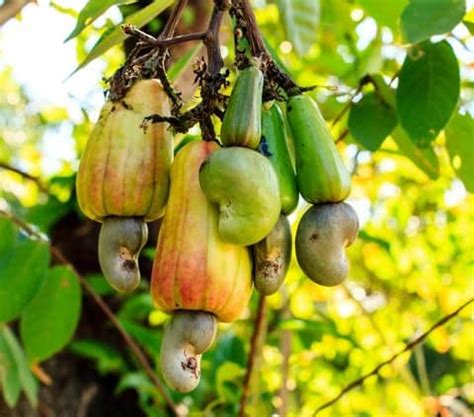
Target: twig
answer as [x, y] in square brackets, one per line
[57, 253]
[152, 41]
[285, 347]
[257, 332]
[10, 8]
[25, 175]
[408, 347]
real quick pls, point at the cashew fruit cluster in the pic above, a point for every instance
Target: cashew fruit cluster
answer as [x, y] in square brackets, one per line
[123, 179]
[225, 206]
[329, 226]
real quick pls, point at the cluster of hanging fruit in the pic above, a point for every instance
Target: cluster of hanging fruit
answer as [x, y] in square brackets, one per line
[225, 205]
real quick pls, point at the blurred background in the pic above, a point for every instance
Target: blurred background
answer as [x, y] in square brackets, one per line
[412, 264]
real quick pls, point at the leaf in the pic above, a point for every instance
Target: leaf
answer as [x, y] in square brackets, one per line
[371, 120]
[91, 11]
[227, 381]
[27, 380]
[424, 18]
[428, 90]
[149, 339]
[50, 320]
[460, 146]
[116, 35]
[182, 63]
[107, 358]
[22, 270]
[300, 19]
[9, 379]
[424, 158]
[388, 15]
[8, 233]
[137, 307]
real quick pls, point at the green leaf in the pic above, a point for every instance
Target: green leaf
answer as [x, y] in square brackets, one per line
[49, 321]
[424, 158]
[388, 15]
[116, 35]
[149, 339]
[371, 120]
[384, 244]
[107, 358]
[460, 146]
[428, 90]
[424, 18]
[100, 285]
[8, 233]
[91, 11]
[300, 19]
[27, 380]
[137, 307]
[227, 381]
[182, 63]
[9, 379]
[22, 270]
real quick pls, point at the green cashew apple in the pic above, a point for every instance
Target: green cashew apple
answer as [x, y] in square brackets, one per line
[120, 241]
[323, 233]
[242, 120]
[244, 185]
[186, 337]
[320, 172]
[274, 145]
[271, 258]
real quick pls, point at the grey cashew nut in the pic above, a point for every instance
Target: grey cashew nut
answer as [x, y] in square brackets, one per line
[120, 241]
[324, 232]
[186, 337]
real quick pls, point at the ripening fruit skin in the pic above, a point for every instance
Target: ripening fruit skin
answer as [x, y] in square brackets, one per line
[325, 230]
[124, 170]
[244, 185]
[242, 120]
[186, 337]
[194, 269]
[274, 147]
[271, 258]
[320, 172]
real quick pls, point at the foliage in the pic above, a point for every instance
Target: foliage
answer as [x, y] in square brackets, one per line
[395, 83]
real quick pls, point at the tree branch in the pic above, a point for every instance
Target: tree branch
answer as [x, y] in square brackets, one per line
[25, 175]
[10, 8]
[408, 347]
[253, 353]
[134, 347]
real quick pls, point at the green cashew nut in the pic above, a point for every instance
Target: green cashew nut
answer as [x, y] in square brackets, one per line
[186, 337]
[324, 232]
[271, 258]
[120, 241]
[244, 185]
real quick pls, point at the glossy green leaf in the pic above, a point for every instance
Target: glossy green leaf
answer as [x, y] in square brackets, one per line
[371, 120]
[227, 380]
[91, 11]
[150, 339]
[460, 145]
[10, 385]
[22, 271]
[116, 35]
[424, 18]
[300, 19]
[428, 90]
[424, 158]
[27, 380]
[49, 321]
